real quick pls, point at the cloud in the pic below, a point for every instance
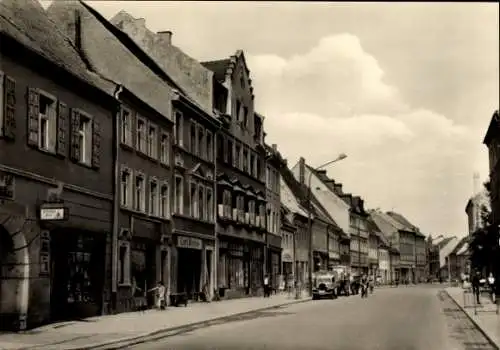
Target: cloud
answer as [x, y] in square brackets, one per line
[334, 98]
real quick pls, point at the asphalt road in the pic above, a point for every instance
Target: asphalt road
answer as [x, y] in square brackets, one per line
[418, 318]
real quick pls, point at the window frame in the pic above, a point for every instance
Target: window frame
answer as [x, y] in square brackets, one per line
[209, 193]
[179, 194]
[51, 122]
[153, 203]
[164, 199]
[202, 206]
[142, 199]
[126, 134]
[140, 119]
[152, 145]
[164, 148]
[130, 196]
[193, 208]
[179, 127]
[201, 142]
[125, 266]
[88, 143]
[209, 139]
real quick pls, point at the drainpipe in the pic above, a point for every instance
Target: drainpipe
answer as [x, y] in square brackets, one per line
[116, 199]
[215, 211]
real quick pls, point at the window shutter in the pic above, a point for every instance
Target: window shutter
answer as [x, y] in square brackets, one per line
[62, 127]
[96, 144]
[75, 144]
[9, 127]
[33, 111]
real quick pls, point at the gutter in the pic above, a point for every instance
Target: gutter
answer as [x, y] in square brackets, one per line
[116, 196]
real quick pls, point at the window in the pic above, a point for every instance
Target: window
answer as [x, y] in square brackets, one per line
[85, 139]
[237, 110]
[192, 138]
[140, 193]
[258, 175]
[251, 210]
[164, 149]
[237, 157]
[245, 160]
[220, 148]
[268, 177]
[252, 164]
[210, 205]
[164, 201]
[201, 143]
[210, 150]
[141, 135]
[226, 201]
[47, 123]
[179, 129]
[126, 188]
[193, 200]
[201, 203]
[245, 117]
[269, 217]
[179, 194]
[126, 127]
[152, 142]
[124, 263]
[153, 197]
[1, 103]
[229, 152]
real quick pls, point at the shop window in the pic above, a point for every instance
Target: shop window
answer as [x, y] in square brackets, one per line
[124, 263]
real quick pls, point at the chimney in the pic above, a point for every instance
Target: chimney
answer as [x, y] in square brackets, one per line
[165, 37]
[302, 170]
[78, 30]
[338, 189]
[274, 147]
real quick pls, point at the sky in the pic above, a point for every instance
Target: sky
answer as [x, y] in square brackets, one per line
[406, 90]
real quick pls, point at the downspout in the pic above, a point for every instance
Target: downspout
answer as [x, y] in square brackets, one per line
[216, 213]
[116, 199]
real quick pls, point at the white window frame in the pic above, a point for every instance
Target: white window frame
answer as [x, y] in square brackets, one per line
[140, 203]
[202, 207]
[2, 102]
[50, 122]
[126, 128]
[193, 147]
[153, 202]
[179, 194]
[193, 204]
[201, 142]
[141, 141]
[165, 148]
[152, 141]
[164, 209]
[179, 128]
[129, 198]
[124, 266]
[85, 138]
[210, 204]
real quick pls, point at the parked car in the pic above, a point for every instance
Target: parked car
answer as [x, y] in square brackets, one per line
[324, 287]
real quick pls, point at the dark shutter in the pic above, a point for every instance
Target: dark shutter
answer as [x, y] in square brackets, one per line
[75, 142]
[9, 127]
[33, 111]
[62, 128]
[96, 143]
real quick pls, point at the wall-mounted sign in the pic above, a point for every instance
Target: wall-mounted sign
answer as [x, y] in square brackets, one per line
[6, 186]
[53, 214]
[189, 242]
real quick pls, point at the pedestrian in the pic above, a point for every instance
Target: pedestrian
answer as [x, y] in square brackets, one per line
[137, 296]
[266, 286]
[491, 286]
[159, 295]
[364, 286]
[475, 286]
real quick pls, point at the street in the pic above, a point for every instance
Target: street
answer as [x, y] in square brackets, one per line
[414, 318]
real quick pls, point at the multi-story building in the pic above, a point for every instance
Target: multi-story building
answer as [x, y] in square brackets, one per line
[287, 245]
[373, 243]
[359, 233]
[420, 263]
[336, 210]
[144, 159]
[383, 268]
[241, 226]
[476, 209]
[56, 174]
[274, 161]
[492, 141]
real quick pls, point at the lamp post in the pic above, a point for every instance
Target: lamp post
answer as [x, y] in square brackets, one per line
[309, 215]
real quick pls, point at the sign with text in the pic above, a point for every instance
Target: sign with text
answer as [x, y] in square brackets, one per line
[189, 242]
[53, 214]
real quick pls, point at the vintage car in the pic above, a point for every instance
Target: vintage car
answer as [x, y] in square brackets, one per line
[323, 287]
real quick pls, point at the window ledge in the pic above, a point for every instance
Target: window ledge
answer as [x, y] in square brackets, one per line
[125, 285]
[144, 214]
[146, 156]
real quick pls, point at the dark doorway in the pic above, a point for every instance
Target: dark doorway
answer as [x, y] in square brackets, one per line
[143, 266]
[189, 271]
[78, 270]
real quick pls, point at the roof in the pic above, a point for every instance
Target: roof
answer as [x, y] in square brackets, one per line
[219, 67]
[385, 223]
[441, 244]
[26, 22]
[405, 222]
[102, 43]
[493, 128]
[460, 245]
[464, 249]
[372, 227]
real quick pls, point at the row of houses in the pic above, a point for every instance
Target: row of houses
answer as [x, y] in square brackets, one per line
[124, 162]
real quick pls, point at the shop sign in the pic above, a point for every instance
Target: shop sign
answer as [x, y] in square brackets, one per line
[189, 242]
[53, 213]
[287, 257]
[334, 255]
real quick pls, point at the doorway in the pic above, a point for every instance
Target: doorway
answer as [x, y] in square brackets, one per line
[189, 271]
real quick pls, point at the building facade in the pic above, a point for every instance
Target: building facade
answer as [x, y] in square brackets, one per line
[56, 194]
[241, 189]
[492, 142]
[288, 246]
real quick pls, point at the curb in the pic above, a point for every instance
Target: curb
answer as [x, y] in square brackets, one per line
[492, 342]
[168, 332]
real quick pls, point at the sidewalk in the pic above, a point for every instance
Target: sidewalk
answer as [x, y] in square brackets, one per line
[130, 328]
[486, 319]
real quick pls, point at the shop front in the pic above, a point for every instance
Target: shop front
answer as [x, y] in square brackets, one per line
[189, 265]
[274, 259]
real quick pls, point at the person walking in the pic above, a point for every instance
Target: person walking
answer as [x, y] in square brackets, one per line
[475, 286]
[266, 286]
[491, 286]
[159, 295]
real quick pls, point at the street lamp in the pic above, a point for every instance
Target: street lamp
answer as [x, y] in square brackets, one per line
[309, 215]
